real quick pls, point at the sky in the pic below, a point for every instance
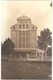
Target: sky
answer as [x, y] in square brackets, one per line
[38, 11]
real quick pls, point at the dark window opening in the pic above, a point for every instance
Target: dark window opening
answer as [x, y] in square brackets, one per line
[20, 26]
[23, 26]
[27, 26]
[13, 27]
[32, 27]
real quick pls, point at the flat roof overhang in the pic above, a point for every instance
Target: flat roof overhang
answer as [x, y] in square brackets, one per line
[25, 50]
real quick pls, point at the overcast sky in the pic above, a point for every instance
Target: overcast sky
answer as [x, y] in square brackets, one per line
[38, 11]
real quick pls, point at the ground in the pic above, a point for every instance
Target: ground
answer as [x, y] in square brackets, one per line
[25, 70]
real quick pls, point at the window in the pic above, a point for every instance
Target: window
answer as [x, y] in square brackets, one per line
[38, 54]
[27, 32]
[23, 39]
[19, 45]
[27, 39]
[32, 27]
[44, 54]
[23, 26]
[20, 26]
[23, 45]
[27, 26]
[20, 39]
[27, 45]
[20, 33]
[13, 27]
[23, 33]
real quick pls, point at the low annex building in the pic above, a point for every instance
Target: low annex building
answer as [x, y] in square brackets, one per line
[24, 36]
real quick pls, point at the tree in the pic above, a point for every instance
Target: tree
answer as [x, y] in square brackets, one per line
[44, 39]
[7, 47]
[51, 4]
[49, 51]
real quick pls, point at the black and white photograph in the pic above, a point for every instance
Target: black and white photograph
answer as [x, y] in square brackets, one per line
[26, 39]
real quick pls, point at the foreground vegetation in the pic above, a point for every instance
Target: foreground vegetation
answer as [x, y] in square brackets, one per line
[25, 70]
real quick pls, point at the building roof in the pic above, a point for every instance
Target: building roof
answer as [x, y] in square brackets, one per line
[23, 17]
[34, 25]
[13, 26]
[40, 51]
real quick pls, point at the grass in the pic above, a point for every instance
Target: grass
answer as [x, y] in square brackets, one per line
[25, 70]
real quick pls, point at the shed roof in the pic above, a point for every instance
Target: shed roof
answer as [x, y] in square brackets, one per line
[40, 51]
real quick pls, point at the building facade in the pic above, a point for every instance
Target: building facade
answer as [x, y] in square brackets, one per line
[24, 36]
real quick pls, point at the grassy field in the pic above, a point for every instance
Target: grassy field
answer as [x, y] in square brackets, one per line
[25, 70]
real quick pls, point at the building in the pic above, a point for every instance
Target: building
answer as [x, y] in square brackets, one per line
[24, 36]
